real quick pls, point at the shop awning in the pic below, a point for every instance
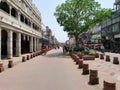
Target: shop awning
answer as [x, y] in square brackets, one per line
[43, 41]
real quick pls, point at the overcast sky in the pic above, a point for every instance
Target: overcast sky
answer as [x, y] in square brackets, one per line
[47, 9]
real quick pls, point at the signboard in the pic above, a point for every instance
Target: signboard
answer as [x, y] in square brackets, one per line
[117, 36]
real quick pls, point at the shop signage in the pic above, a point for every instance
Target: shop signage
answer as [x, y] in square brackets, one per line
[117, 36]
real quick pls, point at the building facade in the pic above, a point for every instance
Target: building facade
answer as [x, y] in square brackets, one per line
[110, 29]
[20, 28]
[96, 34]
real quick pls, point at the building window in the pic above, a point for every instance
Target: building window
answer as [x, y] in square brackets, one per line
[22, 18]
[103, 32]
[14, 13]
[109, 29]
[5, 7]
[33, 26]
[115, 28]
[29, 23]
[26, 21]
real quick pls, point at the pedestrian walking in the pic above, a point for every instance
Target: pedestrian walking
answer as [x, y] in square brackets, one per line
[44, 49]
[102, 48]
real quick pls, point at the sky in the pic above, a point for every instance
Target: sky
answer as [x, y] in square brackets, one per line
[47, 9]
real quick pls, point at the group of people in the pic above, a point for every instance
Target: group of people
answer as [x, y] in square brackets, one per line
[56, 46]
[66, 48]
[45, 48]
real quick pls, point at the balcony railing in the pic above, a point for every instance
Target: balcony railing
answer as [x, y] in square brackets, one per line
[27, 10]
[6, 18]
[116, 13]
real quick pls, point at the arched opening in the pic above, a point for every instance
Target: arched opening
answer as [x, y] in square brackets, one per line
[23, 50]
[26, 21]
[33, 26]
[14, 13]
[38, 28]
[4, 36]
[21, 18]
[25, 44]
[5, 7]
[33, 45]
[14, 43]
[29, 23]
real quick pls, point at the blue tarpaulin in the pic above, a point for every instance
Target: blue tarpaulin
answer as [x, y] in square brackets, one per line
[43, 41]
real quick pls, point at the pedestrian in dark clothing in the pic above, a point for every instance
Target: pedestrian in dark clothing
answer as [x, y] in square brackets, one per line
[102, 48]
[44, 49]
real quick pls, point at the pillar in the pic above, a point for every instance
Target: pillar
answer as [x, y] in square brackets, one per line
[28, 38]
[18, 45]
[10, 44]
[31, 44]
[37, 44]
[34, 44]
[10, 10]
[19, 16]
[0, 43]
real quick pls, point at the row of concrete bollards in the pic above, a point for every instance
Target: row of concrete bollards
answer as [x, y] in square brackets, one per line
[28, 57]
[115, 59]
[24, 58]
[93, 77]
[10, 65]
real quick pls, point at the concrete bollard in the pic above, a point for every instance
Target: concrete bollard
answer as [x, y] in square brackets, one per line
[93, 78]
[40, 53]
[31, 56]
[109, 86]
[1, 67]
[101, 56]
[28, 57]
[10, 64]
[80, 63]
[107, 58]
[96, 55]
[76, 59]
[23, 59]
[85, 69]
[115, 60]
[80, 56]
[70, 54]
[34, 55]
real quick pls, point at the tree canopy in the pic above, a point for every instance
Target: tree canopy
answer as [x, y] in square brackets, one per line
[78, 16]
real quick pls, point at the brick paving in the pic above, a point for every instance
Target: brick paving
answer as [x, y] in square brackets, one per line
[55, 71]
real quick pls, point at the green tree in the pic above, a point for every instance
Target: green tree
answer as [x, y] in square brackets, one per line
[77, 16]
[103, 14]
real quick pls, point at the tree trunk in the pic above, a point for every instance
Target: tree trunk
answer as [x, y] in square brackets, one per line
[77, 40]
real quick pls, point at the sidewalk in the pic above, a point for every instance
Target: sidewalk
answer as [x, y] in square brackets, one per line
[106, 70]
[16, 60]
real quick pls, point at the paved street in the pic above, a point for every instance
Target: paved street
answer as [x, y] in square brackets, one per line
[51, 72]
[55, 71]
[25, 38]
